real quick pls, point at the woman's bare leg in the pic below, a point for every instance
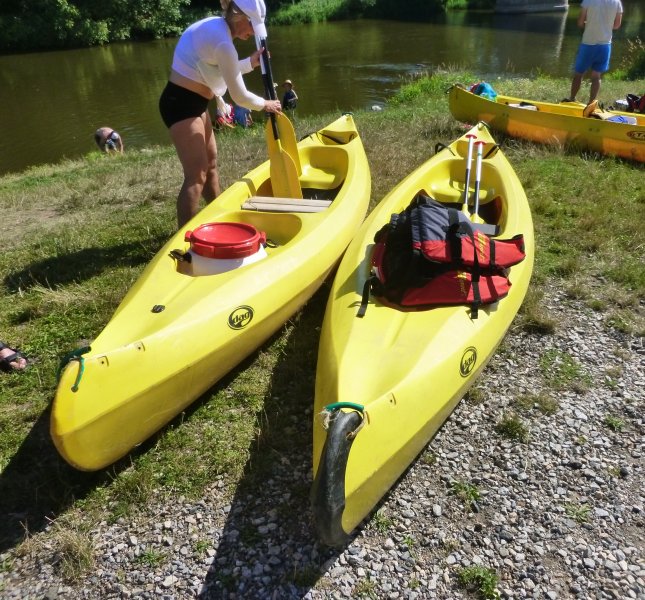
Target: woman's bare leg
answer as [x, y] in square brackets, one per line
[189, 137]
[211, 186]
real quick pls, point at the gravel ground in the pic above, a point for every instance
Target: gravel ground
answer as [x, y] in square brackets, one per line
[558, 516]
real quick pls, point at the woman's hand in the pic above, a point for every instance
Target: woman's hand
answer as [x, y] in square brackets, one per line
[273, 106]
[255, 58]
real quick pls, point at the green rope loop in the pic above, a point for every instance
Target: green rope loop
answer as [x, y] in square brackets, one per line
[69, 357]
[338, 405]
[81, 370]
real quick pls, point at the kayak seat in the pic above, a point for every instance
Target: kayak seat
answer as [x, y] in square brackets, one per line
[454, 192]
[274, 204]
[323, 167]
[524, 105]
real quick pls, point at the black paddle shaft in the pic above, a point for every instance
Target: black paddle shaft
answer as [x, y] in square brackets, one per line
[267, 77]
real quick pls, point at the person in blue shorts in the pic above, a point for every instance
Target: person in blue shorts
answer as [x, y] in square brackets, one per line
[598, 19]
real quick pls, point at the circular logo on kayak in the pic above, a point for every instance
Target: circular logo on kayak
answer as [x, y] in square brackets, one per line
[637, 135]
[240, 317]
[468, 361]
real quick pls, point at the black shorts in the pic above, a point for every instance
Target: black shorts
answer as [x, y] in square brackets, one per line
[177, 103]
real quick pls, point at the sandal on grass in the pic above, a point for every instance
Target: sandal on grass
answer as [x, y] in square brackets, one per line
[14, 360]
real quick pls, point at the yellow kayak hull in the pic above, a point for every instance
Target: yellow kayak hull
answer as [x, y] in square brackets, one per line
[560, 124]
[177, 331]
[394, 376]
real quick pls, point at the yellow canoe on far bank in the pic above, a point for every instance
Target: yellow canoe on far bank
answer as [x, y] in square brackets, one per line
[565, 123]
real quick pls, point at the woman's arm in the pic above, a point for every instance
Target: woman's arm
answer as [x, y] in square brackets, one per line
[229, 66]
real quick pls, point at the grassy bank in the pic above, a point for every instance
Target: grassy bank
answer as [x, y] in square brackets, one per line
[78, 234]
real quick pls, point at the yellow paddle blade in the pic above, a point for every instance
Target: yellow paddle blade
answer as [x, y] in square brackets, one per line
[287, 138]
[284, 177]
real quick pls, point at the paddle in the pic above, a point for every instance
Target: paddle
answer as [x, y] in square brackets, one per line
[478, 177]
[287, 138]
[478, 222]
[284, 173]
[471, 140]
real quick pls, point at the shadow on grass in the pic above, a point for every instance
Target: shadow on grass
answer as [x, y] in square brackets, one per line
[270, 518]
[37, 485]
[84, 264]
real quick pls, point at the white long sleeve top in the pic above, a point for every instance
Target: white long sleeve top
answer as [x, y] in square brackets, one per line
[205, 53]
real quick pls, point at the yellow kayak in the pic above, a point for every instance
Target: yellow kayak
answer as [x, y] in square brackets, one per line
[566, 123]
[387, 381]
[212, 295]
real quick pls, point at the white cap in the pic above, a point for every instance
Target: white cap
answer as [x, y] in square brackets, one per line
[256, 11]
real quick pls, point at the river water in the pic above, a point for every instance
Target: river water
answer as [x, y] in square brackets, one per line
[51, 103]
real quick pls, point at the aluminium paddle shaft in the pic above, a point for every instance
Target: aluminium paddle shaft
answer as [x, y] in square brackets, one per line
[478, 174]
[471, 140]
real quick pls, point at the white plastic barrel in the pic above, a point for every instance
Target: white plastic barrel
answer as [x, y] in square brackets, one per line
[220, 247]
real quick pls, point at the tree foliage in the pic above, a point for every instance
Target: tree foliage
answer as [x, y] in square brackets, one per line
[50, 24]
[45, 24]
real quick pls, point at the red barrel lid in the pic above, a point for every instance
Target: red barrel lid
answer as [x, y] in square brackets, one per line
[225, 240]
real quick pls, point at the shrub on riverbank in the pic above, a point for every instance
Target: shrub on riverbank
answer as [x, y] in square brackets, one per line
[632, 66]
[78, 234]
[314, 11]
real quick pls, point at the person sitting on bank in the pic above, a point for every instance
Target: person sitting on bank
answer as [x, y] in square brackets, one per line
[290, 98]
[108, 140]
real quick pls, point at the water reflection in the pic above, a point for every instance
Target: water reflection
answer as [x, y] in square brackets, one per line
[53, 102]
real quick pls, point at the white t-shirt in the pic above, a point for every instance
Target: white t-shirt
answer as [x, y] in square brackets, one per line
[600, 20]
[205, 53]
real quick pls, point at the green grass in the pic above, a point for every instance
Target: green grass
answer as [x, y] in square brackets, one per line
[614, 423]
[151, 558]
[468, 493]
[542, 402]
[561, 371]
[381, 522]
[306, 576]
[310, 11]
[580, 513]
[79, 234]
[512, 427]
[365, 588]
[476, 396]
[483, 580]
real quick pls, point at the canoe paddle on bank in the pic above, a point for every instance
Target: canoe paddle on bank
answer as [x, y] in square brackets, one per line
[284, 173]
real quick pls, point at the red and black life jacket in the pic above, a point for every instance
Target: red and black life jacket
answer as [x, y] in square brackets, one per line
[636, 103]
[430, 255]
